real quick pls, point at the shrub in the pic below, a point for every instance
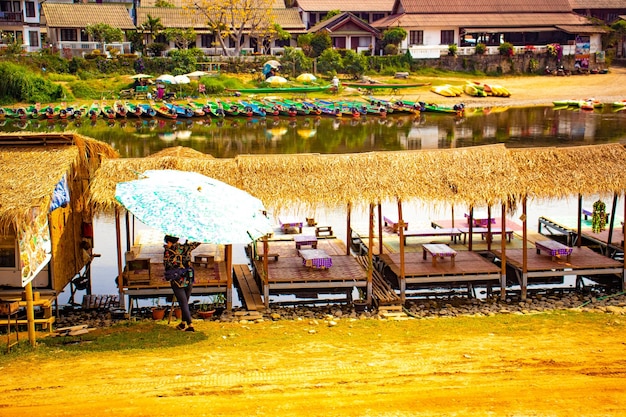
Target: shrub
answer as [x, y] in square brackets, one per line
[452, 49]
[156, 48]
[330, 61]
[391, 49]
[506, 49]
[19, 84]
[354, 64]
[481, 48]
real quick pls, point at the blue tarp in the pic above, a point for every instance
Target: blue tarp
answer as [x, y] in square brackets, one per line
[61, 195]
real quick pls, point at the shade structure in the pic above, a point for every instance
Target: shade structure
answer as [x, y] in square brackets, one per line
[195, 207]
[167, 78]
[140, 76]
[306, 78]
[197, 74]
[276, 80]
[181, 79]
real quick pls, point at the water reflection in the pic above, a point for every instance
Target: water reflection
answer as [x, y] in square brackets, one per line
[536, 126]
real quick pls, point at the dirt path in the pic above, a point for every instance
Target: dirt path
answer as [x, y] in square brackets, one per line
[559, 364]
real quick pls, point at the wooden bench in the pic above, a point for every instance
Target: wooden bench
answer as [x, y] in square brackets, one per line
[203, 259]
[589, 213]
[305, 241]
[323, 231]
[438, 250]
[393, 224]
[480, 220]
[452, 232]
[553, 248]
[269, 255]
[484, 231]
[287, 223]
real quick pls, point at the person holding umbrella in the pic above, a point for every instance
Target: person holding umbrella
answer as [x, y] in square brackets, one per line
[180, 274]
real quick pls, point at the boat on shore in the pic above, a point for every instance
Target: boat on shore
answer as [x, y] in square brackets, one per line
[295, 89]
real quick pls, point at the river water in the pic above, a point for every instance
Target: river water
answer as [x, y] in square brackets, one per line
[515, 127]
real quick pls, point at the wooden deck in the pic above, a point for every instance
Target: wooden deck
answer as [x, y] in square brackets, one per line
[287, 275]
[469, 267]
[584, 262]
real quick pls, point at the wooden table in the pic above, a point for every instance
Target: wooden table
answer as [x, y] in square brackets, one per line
[11, 309]
[203, 259]
[484, 231]
[393, 224]
[290, 222]
[553, 248]
[316, 258]
[481, 220]
[453, 232]
[305, 241]
[438, 250]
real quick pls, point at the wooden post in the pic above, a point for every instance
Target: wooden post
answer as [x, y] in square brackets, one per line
[128, 239]
[471, 227]
[349, 230]
[524, 286]
[580, 221]
[120, 268]
[228, 260]
[452, 215]
[380, 229]
[265, 277]
[611, 224]
[30, 314]
[401, 234]
[489, 227]
[370, 255]
[503, 257]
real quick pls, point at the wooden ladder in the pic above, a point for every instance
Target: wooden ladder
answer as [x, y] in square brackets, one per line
[248, 287]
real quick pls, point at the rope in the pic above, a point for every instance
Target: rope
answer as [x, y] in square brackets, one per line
[603, 298]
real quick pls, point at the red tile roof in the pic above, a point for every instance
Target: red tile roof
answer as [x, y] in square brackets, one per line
[62, 15]
[483, 6]
[360, 6]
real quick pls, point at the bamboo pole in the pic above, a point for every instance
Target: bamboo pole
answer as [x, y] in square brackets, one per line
[370, 256]
[120, 277]
[611, 224]
[471, 228]
[401, 234]
[579, 240]
[503, 257]
[489, 227]
[380, 229]
[228, 260]
[30, 314]
[524, 286]
[349, 229]
[265, 277]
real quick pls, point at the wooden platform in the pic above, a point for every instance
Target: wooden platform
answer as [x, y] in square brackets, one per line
[248, 288]
[289, 276]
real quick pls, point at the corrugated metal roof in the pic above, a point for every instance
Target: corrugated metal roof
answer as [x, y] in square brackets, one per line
[59, 15]
[512, 20]
[582, 29]
[346, 5]
[485, 6]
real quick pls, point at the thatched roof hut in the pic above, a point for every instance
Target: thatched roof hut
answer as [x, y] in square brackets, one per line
[482, 175]
[31, 165]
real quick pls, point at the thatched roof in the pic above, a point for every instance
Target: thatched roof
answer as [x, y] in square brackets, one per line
[561, 172]
[474, 176]
[31, 165]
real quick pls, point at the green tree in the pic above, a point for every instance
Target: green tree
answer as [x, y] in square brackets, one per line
[331, 13]
[182, 38]
[103, 33]
[394, 36]
[233, 19]
[320, 42]
[330, 62]
[294, 61]
[164, 3]
[354, 64]
[152, 27]
[304, 42]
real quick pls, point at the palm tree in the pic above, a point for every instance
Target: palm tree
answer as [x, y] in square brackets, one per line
[152, 26]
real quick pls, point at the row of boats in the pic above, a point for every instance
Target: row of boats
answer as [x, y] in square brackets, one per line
[223, 108]
[588, 104]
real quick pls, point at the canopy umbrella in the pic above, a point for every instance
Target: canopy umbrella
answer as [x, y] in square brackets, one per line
[270, 65]
[167, 78]
[140, 76]
[306, 78]
[276, 80]
[197, 74]
[182, 79]
[192, 206]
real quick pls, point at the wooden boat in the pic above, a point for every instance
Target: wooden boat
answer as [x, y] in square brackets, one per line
[230, 109]
[373, 86]
[78, 112]
[214, 109]
[421, 106]
[181, 111]
[301, 108]
[164, 111]
[107, 111]
[270, 108]
[120, 109]
[94, 111]
[253, 109]
[147, 109]
[300, 89]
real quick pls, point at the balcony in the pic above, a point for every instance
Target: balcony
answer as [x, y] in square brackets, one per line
[11, 17]
[82, 48]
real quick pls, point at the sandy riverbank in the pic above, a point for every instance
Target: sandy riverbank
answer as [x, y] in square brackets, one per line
[528, 90]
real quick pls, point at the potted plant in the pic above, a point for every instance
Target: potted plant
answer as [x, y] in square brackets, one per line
[598, 218]
[213, 304]
[158, 312]
[360, 305]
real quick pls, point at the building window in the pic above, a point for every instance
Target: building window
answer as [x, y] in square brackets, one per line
[207, 41]
[68, 35]
[8, 252]
[30, 8]
[447, 37]
[416, 37]
[377, 16]
[33, 38]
